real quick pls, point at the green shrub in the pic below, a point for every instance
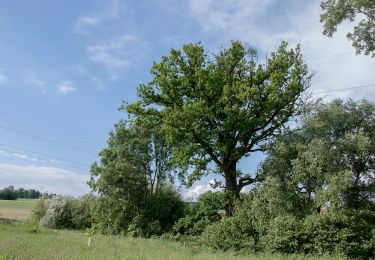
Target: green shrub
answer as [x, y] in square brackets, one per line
[82, 217]
[227, 235]
[136, 227]
[40, 209]
[201, 214]
[153, 229]
[165, 207]
[346, 232]
[194, 225]
[283, 235]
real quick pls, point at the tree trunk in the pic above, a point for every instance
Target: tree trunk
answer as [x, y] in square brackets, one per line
[231, 187]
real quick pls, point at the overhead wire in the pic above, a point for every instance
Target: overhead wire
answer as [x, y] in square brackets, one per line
[42, 160]
[329, 56]
[343, 89]
[47, 140]
[43, 154]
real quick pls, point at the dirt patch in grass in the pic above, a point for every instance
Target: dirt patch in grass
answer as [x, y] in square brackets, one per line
[16, 214]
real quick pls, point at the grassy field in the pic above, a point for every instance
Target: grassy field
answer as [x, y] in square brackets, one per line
[16, 209]
[21, 241]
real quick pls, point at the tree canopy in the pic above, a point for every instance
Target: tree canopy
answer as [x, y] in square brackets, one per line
[131, 182]
[330, 161]
[363, 35]
[219, 108]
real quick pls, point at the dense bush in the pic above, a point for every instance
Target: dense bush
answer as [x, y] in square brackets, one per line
[63, 212]
[82, 217]
[283, 235]
[156, 216]
[237, 233]
[199, 215]
[346, 232]
[59, 213]
[165, 207]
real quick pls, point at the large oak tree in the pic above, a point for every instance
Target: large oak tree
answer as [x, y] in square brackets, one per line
[216, 109]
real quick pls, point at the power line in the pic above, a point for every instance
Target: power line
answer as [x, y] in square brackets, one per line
[330, 56]
[43, 154]
[47, 140]
[343, 89]
[42, 160]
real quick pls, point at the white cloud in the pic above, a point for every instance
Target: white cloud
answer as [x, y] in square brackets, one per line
[51, 179]
[86, 23]
[227, 15]
[193, 193]
[115, 53]
[254, 22]
[3, 79]
[65, 87]
[26, 157]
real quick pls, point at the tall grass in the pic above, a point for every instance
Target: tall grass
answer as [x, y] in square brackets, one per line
[22, 241]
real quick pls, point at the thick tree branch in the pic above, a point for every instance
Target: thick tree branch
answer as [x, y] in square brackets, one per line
[207, 148]
[245, 181]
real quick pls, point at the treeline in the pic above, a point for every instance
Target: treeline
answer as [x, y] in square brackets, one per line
[10, 193]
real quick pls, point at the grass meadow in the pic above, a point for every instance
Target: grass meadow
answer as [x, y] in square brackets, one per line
[21, 240]
[16, 209]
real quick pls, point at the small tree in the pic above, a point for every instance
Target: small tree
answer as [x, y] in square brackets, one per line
[130, 181]
[220, 108]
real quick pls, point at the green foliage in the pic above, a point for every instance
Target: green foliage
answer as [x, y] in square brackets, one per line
[219, 108]
[237, 232]
[59, 213]
[131, 181]
[10, 193]
[317, 191]
[346, 232]
[82, 217]
[165, 207]
[63, 212]
[363, 35]
[136, 227]
[201, 214]
[39, 210]
[283, 235]
[330, 160]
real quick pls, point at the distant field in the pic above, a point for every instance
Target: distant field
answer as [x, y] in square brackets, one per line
[16, 209]
[22, 242]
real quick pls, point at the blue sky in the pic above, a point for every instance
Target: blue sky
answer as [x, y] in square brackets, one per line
[66, 66]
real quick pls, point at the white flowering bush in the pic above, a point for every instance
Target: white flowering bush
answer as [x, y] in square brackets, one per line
[64, 212]
[59, 213]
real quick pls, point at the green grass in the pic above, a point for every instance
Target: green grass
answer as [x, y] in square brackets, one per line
[20, 241]
[27, 204]
[16, 209]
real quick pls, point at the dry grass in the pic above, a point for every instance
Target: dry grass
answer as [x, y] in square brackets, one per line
[16, 209]
[14, 214]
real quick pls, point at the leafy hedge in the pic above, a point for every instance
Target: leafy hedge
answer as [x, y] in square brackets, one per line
[345, 232]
